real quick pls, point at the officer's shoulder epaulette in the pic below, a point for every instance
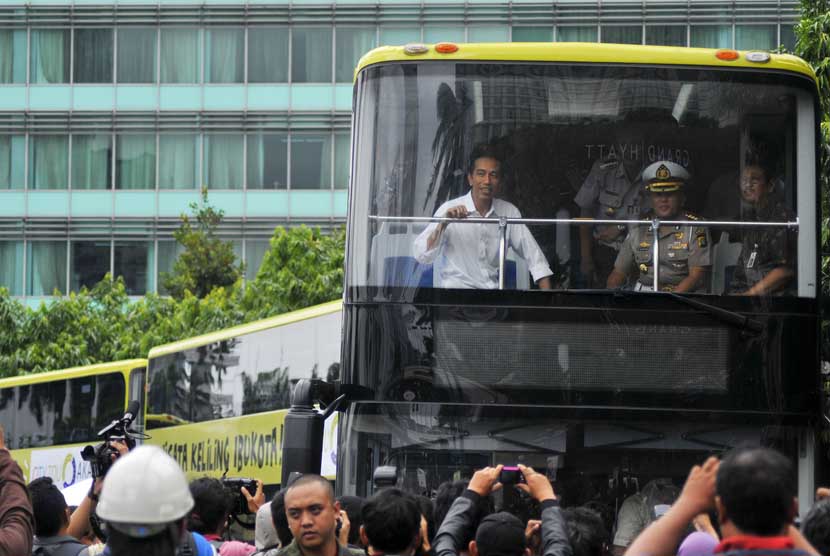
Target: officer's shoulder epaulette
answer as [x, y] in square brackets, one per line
[693, 216]
[609, 163]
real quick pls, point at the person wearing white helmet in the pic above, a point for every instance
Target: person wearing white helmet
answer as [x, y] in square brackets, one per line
[144, 503]
[684, 251]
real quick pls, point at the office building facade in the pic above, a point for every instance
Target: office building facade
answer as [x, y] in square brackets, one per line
[114, 116]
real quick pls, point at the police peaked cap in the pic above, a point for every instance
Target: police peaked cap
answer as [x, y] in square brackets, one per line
[665, 177]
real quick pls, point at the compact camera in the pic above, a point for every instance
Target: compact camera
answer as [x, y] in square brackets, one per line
[511, 475]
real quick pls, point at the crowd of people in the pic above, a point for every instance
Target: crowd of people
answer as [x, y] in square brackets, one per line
[741, 505]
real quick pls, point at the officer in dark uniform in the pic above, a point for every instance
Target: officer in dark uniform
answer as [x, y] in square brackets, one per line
[614, 190]
[684, 251]
[767, 261]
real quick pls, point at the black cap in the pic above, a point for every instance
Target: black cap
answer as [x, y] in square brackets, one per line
[500, 534]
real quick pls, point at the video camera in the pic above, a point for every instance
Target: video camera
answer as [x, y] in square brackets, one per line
[235, 484]
[102, 456]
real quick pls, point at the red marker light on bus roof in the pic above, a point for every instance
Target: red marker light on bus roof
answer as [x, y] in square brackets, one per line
[446, 47]
[727, 54]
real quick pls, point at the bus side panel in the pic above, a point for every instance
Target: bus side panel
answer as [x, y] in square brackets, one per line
[62, 463]
[248, 446]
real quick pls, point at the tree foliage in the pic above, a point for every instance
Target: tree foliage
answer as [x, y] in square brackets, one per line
[813, 45]
[303, 267]
[208, 261]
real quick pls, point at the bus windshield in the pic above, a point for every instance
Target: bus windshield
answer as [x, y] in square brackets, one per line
[698, 169]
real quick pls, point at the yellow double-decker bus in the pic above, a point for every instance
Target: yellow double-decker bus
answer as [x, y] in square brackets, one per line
[464, 362]
[217, 402]
[49, 417]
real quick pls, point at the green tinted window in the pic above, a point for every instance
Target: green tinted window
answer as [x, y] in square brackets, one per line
[11, 266]
[178, 161]
[225, 55]
[137, 54]
[180, 55]
[93, 56]
[224, 164]
[267, 54]
[351, 43]
[666, 35]
[12, 157]
[311, 55]
[710, 36]
[46, 267]
[91, 161]
[48, 162]
[50, 54]
[310, 161]
[532, 34]
[267, 161]
[577, 34]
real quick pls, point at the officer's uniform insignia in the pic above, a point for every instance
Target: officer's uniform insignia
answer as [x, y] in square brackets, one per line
[662, 172]
[643, 268]
[701, 241]
[678, 236]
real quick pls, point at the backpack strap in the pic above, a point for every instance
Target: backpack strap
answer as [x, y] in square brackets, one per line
[188, 546]
[42, 550]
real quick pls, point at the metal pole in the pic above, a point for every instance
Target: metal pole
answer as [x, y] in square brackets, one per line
[502, 249]
[655, 263]
[587, 221]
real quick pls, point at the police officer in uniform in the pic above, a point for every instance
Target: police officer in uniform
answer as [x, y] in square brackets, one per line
[767, 261]
[612, 191]
[684, 250]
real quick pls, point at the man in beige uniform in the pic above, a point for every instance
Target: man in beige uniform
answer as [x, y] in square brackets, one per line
[684, 250]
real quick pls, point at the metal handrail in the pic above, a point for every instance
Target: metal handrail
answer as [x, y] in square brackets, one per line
[584, 221]
[654, 227]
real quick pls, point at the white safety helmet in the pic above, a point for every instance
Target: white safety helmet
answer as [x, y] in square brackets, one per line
[144, 491]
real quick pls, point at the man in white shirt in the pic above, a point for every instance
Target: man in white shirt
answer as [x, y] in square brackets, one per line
[467, 255]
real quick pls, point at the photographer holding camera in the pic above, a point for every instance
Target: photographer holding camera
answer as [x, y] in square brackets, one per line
[214, 504]
[118, 440]
[503, 534]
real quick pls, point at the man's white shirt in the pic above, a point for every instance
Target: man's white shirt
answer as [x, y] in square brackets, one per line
[467, 255]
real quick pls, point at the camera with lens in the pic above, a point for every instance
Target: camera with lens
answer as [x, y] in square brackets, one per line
[102, 456]
[234, 485]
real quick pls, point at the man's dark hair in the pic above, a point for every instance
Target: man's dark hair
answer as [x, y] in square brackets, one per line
[586, 531]
[353, 506]
[447, 493]
[280, 520]
[428, 511]
[816, 526]
[756, 487]
[391, 519]
[483, 151]
[49, 507]
[310, 479]
[211, 504]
